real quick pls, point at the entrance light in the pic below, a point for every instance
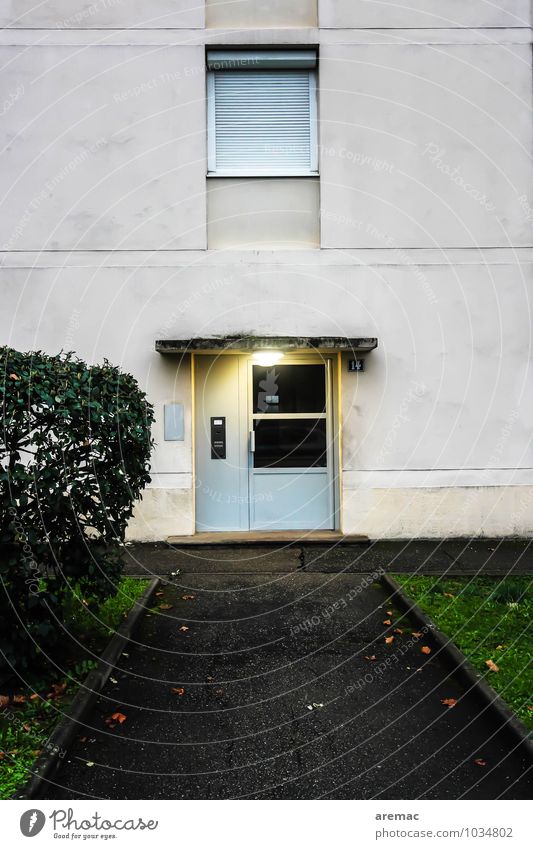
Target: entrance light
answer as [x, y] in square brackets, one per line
[267, 358]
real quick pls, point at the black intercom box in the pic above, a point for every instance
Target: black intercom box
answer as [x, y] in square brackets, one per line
[218, 438]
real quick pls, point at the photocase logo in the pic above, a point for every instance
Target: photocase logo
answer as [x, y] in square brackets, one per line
[32, 822]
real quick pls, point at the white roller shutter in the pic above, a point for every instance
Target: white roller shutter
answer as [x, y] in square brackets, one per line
[262, 122]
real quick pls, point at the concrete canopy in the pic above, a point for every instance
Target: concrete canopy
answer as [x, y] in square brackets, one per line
[253, 343]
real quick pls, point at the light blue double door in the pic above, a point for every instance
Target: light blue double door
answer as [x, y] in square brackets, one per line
[264, 444]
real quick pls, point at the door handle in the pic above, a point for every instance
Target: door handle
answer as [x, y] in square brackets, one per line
[252, 441]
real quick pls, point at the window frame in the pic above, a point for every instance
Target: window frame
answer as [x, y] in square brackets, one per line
[254, 171]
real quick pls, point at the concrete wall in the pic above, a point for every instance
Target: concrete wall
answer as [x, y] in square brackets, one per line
[425, 239]
[98, 14]
[423, 13]
[261, 13]
[263, 213]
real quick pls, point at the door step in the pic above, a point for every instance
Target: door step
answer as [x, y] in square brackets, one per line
[273, 537]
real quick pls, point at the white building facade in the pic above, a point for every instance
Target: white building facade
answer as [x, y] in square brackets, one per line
[306, 228]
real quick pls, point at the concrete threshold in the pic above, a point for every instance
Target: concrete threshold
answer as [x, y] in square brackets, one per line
[264, 537]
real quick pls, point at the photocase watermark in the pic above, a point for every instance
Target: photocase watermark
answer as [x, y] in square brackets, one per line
[164, 78]
[66, 824]
[11, 99]
[414, 395]
[72, 327]
[32, 822]
[48, 188]
[207, 289]
[525, 206]
[87, 13]
[328, 612]
[384, 665]
[230, 497]
[41, 741]
[357, 158]
[387, 241]
[436, 155]
[27, 554]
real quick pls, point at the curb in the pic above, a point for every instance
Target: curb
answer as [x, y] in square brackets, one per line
[63, 735]
[463, 669]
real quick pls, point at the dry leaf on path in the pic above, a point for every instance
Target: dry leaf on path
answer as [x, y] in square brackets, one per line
[449, 702]
[492, 666]
[425, 650]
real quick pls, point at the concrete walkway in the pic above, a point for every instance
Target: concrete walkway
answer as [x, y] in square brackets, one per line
[427, 557]
[259, 685]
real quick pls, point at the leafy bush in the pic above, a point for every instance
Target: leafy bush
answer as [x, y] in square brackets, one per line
[74, 457]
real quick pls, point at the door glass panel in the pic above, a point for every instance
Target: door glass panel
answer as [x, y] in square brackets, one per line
[289, 389]
[293, 443]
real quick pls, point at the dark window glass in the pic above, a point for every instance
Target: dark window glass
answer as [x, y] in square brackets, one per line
[290, 389]
[290, 443]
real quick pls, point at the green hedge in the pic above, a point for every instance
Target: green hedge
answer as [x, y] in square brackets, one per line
[74, 458]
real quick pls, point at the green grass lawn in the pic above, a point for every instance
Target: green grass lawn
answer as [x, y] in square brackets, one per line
[488, 619]
[27, 721]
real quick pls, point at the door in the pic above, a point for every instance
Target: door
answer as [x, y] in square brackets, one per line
[291, 462]
[263, 444]
[221, 474]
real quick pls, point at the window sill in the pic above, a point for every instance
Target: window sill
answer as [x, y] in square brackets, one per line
[272, 173]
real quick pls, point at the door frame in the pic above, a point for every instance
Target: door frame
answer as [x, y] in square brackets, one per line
[333, 421]
[293, 358]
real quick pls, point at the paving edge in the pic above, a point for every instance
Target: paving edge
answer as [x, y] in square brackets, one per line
[463, 669]
[64, 733]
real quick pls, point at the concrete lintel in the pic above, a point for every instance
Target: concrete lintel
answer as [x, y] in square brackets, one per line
[251, 343]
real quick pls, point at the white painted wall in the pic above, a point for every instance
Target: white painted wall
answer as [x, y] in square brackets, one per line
[98, 14]
[261, 13]
[423, 13]
[103, 242]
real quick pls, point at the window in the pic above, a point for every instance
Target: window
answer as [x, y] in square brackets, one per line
[262, 113]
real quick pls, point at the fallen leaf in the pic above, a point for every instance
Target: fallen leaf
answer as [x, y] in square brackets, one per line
[187, 597]
[449, 595]
[183, 628]
[398, 631]
[387, 622]
[89, 763]
[389, 640]
[113, 680]
[417, 634]
[27, 728]
[370, 657]
[19, 700]
[389, 613]
[158, 595]
[178, 691]
[165, 607]
[449, 702]
[318, 705]
[499, 647]
[2, 756]
[118, 717]
[492, 666]
[219, 692]
[480, 762]
[14, 377]
[425, 650]
[34, 696]
[4, 701]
